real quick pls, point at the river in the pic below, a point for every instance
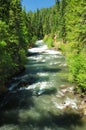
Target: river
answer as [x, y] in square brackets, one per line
[41, 98]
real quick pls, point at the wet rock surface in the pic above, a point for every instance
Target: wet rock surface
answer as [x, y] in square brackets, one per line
[70, 100]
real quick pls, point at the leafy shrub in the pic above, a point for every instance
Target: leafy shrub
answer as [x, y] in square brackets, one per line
[33, 40]
[62, 48]
[77, 68]
[45, 38]
[49, 41]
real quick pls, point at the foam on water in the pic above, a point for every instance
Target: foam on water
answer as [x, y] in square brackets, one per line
[55, 63]
[44, 49]
[71, 103]
[38, 50]
[42, 74]
[53, 52]
[64, 65]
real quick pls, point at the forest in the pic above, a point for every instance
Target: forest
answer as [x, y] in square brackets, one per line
[20, 29]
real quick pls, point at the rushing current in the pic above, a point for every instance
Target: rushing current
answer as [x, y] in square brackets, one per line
[41, 98]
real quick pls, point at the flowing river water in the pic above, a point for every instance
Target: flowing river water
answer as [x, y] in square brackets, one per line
[41, 98]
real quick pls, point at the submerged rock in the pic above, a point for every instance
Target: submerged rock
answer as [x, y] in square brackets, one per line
[42, 91]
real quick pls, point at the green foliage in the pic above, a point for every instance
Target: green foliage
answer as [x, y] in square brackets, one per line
[73, 32]
[49, 41]
[45, 38]
[77, 68]
[3, 55]
[34, 39]
[44, 21]
[14, 37]
[3, 32]
[62, 48]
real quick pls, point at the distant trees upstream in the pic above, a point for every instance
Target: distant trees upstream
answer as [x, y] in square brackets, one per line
[20, 29]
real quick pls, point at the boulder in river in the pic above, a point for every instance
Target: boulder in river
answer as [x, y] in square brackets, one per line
[42, 91]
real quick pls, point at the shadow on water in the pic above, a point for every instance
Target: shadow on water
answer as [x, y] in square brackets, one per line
[35, 63]
[65, 121]
[27, 80]
[33, 54]
[22, 102]
[42, 69]
[18, 99]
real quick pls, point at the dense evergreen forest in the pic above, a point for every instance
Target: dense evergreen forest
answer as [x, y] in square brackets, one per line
[63, 26]
[15, 34]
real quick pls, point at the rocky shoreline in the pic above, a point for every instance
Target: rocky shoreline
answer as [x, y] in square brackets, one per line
[70, 100]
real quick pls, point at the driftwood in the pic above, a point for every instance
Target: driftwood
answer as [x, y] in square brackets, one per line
[57, 44]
